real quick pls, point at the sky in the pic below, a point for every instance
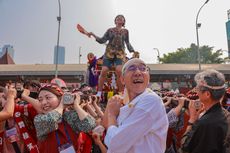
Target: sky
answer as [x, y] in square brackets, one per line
[31, 27]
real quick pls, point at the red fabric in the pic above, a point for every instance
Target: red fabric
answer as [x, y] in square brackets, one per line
[169, 138]
[61, 83]
[183, 90]
[50, 144]
[24, 115]
[87, 143]
[30, 118]
[178, 134]
[1, 142]
[81, 144]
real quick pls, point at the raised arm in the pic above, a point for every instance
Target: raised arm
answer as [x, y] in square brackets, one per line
[97, 108]
[81, 113]
[34, 102]
[102, 39]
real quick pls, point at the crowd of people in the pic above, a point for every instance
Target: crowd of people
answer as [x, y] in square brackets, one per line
[51, 118]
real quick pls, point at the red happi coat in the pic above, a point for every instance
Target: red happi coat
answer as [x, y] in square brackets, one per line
[24, 115]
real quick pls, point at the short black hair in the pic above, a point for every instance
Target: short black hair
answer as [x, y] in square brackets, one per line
[120, 15]
[33, 83]
[83, 85]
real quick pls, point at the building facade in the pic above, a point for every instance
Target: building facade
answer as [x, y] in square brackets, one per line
[59, 55]
[228, 32]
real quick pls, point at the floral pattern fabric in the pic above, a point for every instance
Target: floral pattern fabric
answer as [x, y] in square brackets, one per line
[72, 118]
[117, 39]
[46, 123]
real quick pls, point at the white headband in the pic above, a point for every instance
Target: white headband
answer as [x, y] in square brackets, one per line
[204, 83]
[130, 62]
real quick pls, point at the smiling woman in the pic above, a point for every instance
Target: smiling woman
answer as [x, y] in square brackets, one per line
[55, 126]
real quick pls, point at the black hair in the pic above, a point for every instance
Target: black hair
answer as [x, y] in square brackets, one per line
[33, 83]
[120, 15]
[83, 85]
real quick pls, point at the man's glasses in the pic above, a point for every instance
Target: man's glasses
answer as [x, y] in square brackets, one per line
[142, 68]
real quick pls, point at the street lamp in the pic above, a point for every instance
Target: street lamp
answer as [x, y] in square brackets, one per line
[158, 54]
[59, 23]
[198, 25]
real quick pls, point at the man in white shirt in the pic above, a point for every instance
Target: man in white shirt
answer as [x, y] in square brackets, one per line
[140, 126]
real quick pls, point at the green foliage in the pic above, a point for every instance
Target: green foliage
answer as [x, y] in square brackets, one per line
[190, 55]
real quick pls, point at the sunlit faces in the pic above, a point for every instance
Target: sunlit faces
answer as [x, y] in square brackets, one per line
[136, 77]
[48, 100]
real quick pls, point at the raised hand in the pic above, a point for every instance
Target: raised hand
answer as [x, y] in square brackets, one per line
[114, 104]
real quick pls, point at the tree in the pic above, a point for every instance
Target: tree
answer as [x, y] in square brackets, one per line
[190, 55]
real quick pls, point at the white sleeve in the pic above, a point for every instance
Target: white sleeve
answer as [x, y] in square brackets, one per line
[110, 134]
[120, 139]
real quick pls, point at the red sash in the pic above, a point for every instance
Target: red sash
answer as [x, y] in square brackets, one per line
[29, 142]
[84, 142]
[1, 142]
